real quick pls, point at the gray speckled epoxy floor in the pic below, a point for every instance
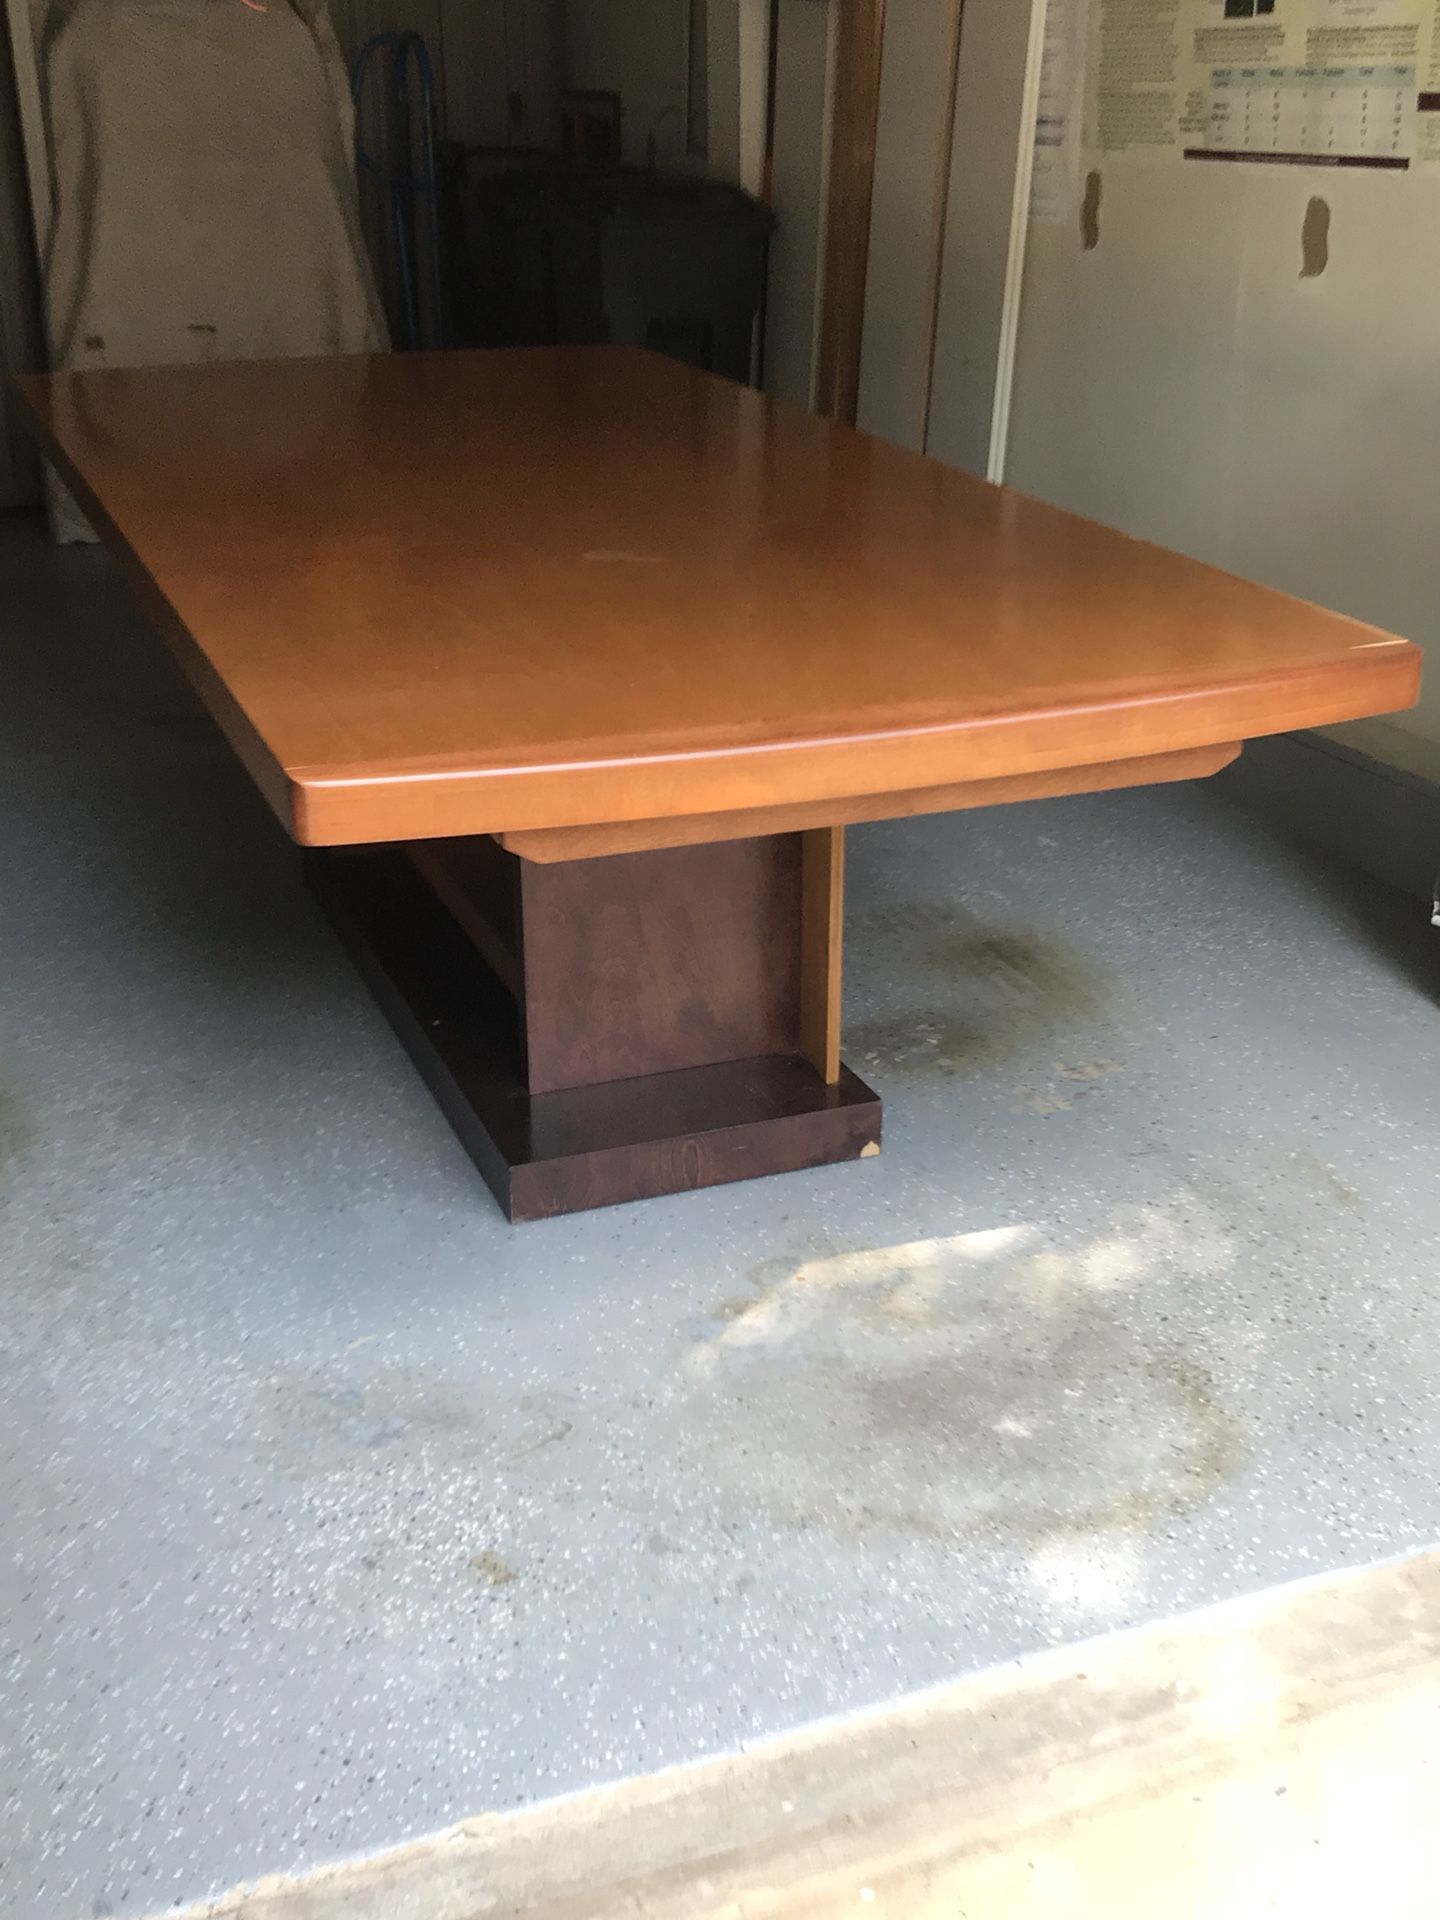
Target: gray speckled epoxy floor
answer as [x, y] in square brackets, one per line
[335, 1510]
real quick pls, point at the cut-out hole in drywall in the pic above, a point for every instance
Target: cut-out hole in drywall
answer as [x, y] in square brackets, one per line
[1315, 239]
[1090, 213]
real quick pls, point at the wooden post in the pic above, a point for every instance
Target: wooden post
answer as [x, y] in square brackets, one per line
[859, 41]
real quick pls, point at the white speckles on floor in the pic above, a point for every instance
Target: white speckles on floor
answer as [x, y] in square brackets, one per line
[335, 1510]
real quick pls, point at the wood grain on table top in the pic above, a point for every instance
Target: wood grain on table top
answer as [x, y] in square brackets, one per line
[473, 592]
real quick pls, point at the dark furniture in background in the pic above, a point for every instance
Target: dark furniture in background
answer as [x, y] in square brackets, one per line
[543, 254]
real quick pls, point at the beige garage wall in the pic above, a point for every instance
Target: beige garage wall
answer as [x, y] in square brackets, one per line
[947, 236]
[982, 271]
[1184, 382]
[912, 159]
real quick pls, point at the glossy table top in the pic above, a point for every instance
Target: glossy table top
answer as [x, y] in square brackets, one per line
[476, 592]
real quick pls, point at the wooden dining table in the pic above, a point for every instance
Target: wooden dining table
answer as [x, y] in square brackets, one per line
[570, 667]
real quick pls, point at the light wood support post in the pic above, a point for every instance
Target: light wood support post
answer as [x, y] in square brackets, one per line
[822, 937]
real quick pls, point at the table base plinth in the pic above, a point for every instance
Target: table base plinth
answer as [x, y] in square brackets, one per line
[560, 1151]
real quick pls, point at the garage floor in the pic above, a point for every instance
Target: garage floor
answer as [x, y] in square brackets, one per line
[1268, 1758]
[336, 1510]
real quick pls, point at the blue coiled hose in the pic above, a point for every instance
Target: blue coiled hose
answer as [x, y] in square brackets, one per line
[412, 197]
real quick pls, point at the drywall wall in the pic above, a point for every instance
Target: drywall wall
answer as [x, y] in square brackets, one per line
[501, 62]
[738, 55]
[947, 228]
[754, 57]
[981, 268]
[1193, 378]
[639, 49]
[912, 157]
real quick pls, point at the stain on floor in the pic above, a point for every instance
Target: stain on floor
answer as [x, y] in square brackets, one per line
[991, 1387]
[493, 1570]
[327, 1425]
[995, 1386]
[1314, 1173]
[1028, 1100]
[14, 1131]
[994, 992]
[984, 1384]
[361, 1422]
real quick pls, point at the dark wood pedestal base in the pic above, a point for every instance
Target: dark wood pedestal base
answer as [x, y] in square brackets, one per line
[606, 1030]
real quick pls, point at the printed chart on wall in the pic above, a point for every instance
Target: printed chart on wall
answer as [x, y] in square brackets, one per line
[1336, 83]
[1059, 117]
